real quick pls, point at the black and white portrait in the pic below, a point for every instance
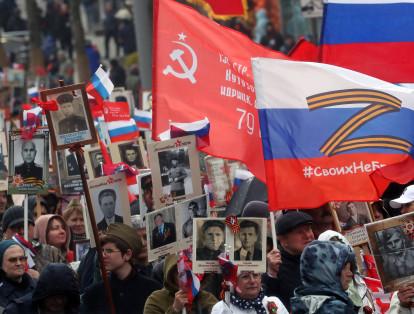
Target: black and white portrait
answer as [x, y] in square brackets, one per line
[397, 252]
[146, 200]
[131, 155]
[94, 161]
[247, 242]
[193, 208]
[70, 181]
[72, 122]
[72, 168]
[81, 248]
[110, 200]
[175, 172]
[210, 239]
[28, 159]
[3, 157]
[352, 215]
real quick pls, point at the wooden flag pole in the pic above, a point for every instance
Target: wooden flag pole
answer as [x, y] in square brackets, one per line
[81, 163]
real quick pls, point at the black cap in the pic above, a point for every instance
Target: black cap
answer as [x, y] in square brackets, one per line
[257, 209]
[14, 216]
[292, 219]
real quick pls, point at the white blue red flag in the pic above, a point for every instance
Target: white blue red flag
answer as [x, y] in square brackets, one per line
[122, 130]
[100, 85]
[331, 134]
[374, 37]
[188, 281]
[143, 119]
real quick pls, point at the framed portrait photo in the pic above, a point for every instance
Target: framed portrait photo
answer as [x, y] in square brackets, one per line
[186, 211]
[162, 233]
[350, 218]
[146, 100]
[70, 181]
[94, 161]
[209, 239]
[146, 200]
[120, 94]
[28, 162]
[81, 248]
[72, 123]
[131, 152]
[110, 200]
[175, 170]
[249, 245]
[392, 245]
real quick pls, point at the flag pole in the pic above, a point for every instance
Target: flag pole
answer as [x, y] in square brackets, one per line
[26, 217]
[81, 163]
[273, 229]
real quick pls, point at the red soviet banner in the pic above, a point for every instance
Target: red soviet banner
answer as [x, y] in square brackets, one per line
[202, 69]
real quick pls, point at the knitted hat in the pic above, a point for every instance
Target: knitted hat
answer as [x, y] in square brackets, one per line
[4, 245]
[292, 219]
[127, 234]
[14, 216]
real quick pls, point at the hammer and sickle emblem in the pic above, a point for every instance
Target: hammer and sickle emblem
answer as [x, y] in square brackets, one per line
[176, 55]
[380, 103]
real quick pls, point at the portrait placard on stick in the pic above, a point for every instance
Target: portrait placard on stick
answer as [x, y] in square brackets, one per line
[94, 161]
[110, 200]
[175, 170]
[392, 244]
[28, 162]
[70, 181]
[72, 123]
[131, 152]
[349, 219]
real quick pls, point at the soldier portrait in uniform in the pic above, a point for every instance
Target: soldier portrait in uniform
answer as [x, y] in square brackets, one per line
[190, 209]
[210, 239]
[72, 122]
[29, 168]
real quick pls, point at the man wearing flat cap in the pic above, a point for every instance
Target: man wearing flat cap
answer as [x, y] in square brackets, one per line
[294, 233]
[107, 202]
[71, 122]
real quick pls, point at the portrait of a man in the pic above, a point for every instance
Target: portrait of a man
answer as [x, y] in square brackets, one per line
[397, 253]
[249, 235]
[98, 161]
[107, 204]
[146, 186]
[194, 211]
[176, 175]
[163, 232]
[29, 169]
[354, 217]
[72, 165]
[71, 122]
[212, 238]
[131, 156]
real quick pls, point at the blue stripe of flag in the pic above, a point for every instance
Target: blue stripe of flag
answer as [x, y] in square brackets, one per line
[97, 84]
[368, 23]
[142, 119]
[124, 130]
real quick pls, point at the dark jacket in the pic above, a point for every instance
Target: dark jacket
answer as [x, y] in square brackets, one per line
[72, 124]
[56, 279]
[102, 225]
[129, 295]
[161, 301]
[321, 289]
[257, 255]
[10, 290]
[29, 171]
[168, 235]
[288, 279]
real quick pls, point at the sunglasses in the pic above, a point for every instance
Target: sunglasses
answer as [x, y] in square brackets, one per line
[18, 258]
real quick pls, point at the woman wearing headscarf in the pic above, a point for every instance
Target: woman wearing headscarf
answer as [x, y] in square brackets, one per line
[53, 230]
[249, 298]
[358, 291]
[326, 270]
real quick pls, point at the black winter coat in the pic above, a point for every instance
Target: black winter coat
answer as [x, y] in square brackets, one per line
[129, 295]
[10, 290]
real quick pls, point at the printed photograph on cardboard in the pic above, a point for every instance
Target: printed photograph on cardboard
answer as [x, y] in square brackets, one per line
[110, 200]
[175, 170]
[249, 246]
[72, 123]
[70, 181]
[392, 244]
[350, 217]
[28, 162]
[186, 211]
[94, 161]
[146, 200]
[209, 240]
[146, 100]
[4, 171]
[162, 232]
[81, 248]
[131, 152]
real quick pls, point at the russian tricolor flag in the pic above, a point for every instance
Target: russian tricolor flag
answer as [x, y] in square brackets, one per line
[199, 128]
[122, 130]
[33, 92]
[100, 86]
[328, 132]
[374, 37]
[241, 175]
[143, 119]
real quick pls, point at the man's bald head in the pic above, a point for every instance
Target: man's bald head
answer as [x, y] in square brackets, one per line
[28, 152]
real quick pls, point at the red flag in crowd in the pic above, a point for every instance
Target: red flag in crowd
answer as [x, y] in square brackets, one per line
[304, 50]
[207, 74]
[228, 7]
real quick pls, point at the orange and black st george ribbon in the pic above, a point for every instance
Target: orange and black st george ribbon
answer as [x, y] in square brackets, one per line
[379, 104]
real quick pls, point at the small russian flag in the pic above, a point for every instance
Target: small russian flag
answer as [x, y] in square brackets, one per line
[188, 281]
[241, 175]
[100, 86]
[143, 119]
[199, 128]
[122, 130]
[33, 92]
